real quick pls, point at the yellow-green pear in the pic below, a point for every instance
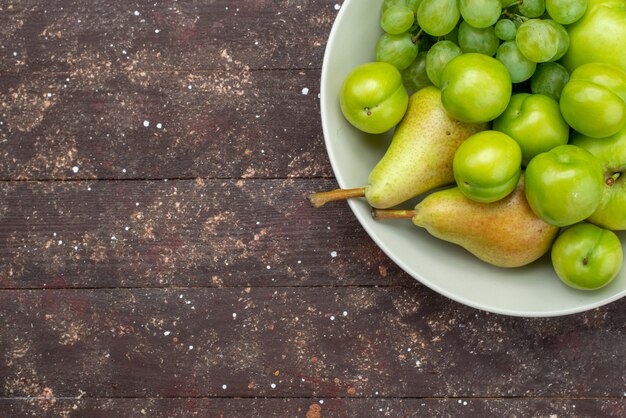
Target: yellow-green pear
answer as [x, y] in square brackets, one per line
[505, 233]
[419, 157]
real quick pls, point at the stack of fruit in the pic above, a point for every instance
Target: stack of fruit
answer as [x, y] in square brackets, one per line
[520, 105]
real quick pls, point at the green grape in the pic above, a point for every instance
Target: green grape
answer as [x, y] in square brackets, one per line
[532, 8]
[549, 79]
[413, 4]
[414, 77]
[397, 19]
[397, 50]
[480, 13]
[563, 38]
[483, 41]
[390, 3]
[520, 68]
[506, 29]
[437, 57]
[438, 17]
[542, 40]
[566, 12]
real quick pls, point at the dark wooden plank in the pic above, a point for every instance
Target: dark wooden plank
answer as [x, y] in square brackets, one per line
[96, 123]
[299, 342]
[314, 408]
[58, 35]
[183, 233]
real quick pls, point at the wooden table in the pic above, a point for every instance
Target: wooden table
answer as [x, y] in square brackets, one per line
[158, 256]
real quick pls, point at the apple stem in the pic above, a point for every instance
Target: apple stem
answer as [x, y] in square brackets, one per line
[321, 198]
[379, 214]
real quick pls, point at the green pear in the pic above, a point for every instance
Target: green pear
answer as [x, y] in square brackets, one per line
[611, 151]
[505, 233]
[419, 157]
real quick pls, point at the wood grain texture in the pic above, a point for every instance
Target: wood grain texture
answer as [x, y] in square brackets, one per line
[102, 124]
[220, 89]
[158, 256]
[183, 233]
[299, 342]
[315, 408]
[163, 35]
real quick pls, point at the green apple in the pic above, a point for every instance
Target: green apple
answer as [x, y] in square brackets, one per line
[564, 185]
[611, 151]
[487, 166]
[587, 257]
[599, 36]
[475, 87]
[593, 102]
[373, 98]
[535, 122]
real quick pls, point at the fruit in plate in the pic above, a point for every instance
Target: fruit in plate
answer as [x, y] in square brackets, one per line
[542, 40]
[599, 36]
[593, 102]
[566, 12]
[475, 87]
[505, 29]
[505, 233]
[611, 151]
[372, 97]
[418, 159]
[397, 19]
[564, 185]
[438, 17]
[530, 8]
[480, 13]
[397, 50]
[487, 166]
[437, 57]
[520, 68]
[480, 40]
[587, 257]
[535, 122]
[549, 78]
[414, 76]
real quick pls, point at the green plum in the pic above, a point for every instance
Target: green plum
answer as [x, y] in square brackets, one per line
[487, 166]
[549, 79]
[564, 185]
[415, 76]
[373, 98]
[599, 36]
[587, 257]
[593, 102]
[475, 87]
[611, 152]
[535, 122]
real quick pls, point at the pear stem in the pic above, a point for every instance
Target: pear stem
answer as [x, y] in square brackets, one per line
[380, 214]
[321, 198]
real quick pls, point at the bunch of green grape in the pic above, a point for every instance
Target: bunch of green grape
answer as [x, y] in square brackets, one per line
[421, 36]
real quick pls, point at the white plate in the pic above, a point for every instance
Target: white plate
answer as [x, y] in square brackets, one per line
[531, 291]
